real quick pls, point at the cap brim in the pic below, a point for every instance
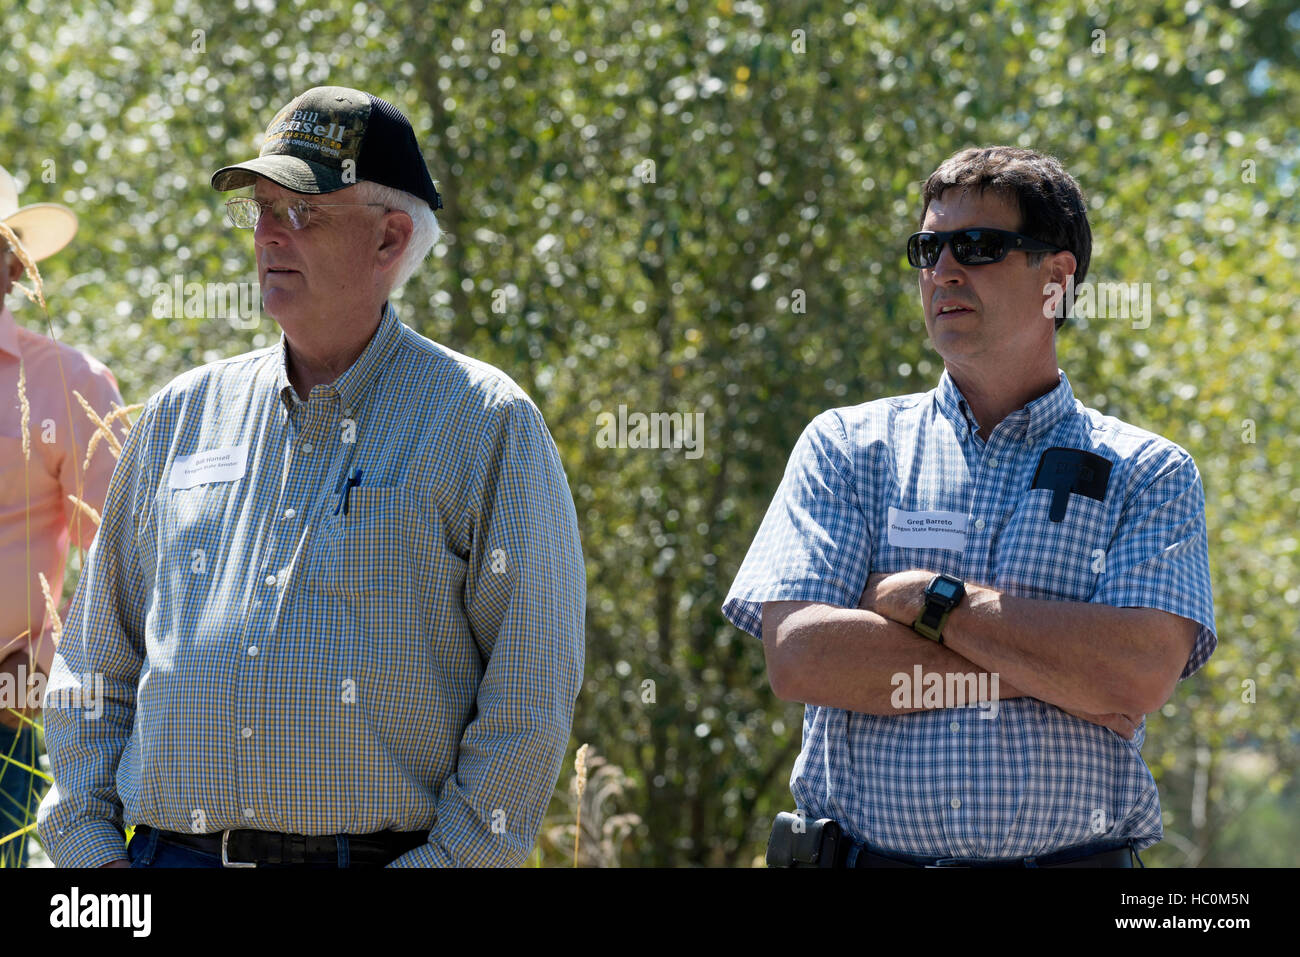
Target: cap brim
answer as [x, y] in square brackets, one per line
[299, 175]
[46, 228]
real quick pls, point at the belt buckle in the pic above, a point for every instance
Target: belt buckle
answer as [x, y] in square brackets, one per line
[945, 862]
[225, 857]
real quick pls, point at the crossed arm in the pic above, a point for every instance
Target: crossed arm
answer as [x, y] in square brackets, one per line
[1104, 664]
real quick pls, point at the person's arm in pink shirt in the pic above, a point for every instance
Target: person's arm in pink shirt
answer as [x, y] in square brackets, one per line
[99, 388]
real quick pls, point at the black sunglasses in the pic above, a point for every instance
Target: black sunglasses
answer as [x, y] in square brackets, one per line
[971, 247]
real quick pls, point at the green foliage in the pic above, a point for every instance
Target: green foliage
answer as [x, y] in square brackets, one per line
[780, 171]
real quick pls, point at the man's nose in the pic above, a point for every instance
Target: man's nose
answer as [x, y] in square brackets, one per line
[946, 269]
[269, 229]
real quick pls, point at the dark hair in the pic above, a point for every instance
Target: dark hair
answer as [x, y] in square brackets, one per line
[1052, 206]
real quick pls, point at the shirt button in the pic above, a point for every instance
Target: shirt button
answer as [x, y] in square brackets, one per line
[955, 726]
[993, 463]
[979, 523]
[248, 812]
[247, 732]
[347, 413]
[252, 651]
[289, 513]
[306, 448]
[270, 579]
[956, 803]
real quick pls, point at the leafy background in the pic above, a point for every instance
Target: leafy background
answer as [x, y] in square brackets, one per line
[788, 144]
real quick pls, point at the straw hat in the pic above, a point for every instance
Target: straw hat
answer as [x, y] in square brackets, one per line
[45, 228]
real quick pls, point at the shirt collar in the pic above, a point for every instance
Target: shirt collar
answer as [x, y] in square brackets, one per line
[1027, 423]
[9, 333]
[352, 386]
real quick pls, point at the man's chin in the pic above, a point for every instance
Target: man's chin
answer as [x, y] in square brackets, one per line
[953, 333]
[954, 346]
[279, 305]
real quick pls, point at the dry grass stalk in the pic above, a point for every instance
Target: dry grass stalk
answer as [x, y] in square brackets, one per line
[86, 509]
[26, 408]
[605, 830]
[37, 293]
[123, 413]
[56, 624]
[100, 424]
[580, 785]
[13, 644]
[90, 448]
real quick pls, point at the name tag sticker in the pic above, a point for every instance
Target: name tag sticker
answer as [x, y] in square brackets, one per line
[927, 529]
[214, 465]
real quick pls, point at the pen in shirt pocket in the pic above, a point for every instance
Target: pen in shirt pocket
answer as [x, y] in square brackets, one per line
[354, 479]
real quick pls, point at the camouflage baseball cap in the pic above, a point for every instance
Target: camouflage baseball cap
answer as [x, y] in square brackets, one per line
[332, 137]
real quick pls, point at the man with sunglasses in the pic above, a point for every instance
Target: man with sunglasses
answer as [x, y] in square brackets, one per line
[337, 597]
[979, 591]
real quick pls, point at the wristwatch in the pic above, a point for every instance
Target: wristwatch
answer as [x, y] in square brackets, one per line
[942, 595]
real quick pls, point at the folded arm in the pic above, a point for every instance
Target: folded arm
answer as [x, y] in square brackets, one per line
[1076, 655]
[847, 657]
[1105, 665]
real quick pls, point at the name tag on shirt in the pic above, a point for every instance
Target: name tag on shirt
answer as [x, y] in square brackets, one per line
[214, 465]
[927, 529]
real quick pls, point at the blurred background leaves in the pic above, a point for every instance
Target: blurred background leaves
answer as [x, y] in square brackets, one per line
[700, 207]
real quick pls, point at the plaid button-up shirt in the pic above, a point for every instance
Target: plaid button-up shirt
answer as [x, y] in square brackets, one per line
[950, 782]
[275, 650]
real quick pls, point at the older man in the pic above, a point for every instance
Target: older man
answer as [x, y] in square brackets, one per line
[1036, 574]
[41, 479]
[337, 600]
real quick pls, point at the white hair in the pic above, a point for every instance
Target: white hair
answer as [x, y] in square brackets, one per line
[423, 236]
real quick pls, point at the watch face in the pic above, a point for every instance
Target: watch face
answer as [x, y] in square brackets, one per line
[946, 589]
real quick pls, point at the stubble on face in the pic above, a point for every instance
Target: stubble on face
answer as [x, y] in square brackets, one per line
[1000, 304]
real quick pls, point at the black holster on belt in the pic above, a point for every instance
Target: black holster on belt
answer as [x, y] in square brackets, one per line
[798, 842]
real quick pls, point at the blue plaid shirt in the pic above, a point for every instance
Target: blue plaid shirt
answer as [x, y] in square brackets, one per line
[945, 782]
[279, 651]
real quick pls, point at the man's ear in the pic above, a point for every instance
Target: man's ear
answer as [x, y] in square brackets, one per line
[397, 229]
[1061, 266]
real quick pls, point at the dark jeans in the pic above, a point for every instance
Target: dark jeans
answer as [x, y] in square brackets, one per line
[20, 793]
[148, 848]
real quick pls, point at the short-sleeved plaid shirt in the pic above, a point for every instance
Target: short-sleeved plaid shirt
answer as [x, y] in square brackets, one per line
[947, 782]
[279, 651]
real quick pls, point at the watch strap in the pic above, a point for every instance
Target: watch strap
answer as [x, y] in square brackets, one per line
[934, 615]
[931, 621]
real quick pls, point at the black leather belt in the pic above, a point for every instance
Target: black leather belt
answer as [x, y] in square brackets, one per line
[1070, 857]
[246, 848]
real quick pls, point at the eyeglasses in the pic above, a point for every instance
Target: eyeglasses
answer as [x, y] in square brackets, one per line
[244, 212]
[971, 247]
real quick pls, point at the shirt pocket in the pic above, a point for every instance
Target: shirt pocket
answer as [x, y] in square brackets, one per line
[1058, 561]
[365, 552]
[366, 569]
